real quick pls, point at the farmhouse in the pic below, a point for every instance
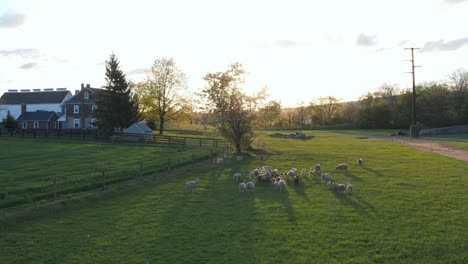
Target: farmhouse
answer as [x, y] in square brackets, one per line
[80, 110]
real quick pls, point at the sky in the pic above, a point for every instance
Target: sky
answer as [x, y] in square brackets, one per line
[299, 50]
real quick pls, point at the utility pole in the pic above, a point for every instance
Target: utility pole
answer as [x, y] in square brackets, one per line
[413, 129]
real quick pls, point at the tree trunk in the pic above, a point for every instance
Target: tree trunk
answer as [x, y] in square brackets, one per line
[238, 147]
[161, 126]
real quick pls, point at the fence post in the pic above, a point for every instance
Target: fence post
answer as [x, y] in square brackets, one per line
[168, 165]
[141, 169]
[55, 188]
[193, 160]
[103, 180]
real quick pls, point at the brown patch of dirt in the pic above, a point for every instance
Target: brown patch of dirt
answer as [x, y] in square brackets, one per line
[429, 145]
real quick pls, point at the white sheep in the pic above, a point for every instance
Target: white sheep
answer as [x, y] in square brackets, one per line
[236, 176]
[326, 177]
[242, 187]
[191, 184]
[275, 173]
[317, 168]
[303, 172]
[251, 186]
[341, 187]
[359, 162]
[349, 187]
[342, 166]
[281, 185]
[329, 184]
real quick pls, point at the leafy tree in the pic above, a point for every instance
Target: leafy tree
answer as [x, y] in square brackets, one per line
[234, 111]
[163, 95]
[10, 122]
[269, 113]
[117, 106]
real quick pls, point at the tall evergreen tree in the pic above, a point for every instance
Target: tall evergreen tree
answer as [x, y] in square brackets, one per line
[10, 122]
[117, 107]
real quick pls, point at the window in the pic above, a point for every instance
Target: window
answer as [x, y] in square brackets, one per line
[76, 123]
[76, 109]
[55, 124]
[86, 95]
[36, 124]
[93, 108]
[24, 125]
[93, 122]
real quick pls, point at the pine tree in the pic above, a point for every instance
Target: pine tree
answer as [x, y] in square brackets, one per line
[9, 122]
[117, 107]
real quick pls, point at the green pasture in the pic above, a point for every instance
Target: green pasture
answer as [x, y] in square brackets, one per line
[409, 206]
[29, 166]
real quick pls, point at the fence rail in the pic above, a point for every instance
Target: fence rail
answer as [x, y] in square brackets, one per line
[115, 137]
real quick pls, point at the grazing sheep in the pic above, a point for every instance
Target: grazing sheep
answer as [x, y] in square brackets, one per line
[359, 162]
[342, 166]
[191, 184]
[349, 187]
[334, 186]
[242, 187]
[329, 184]
[275, 173]
[251, 186]
[303, 172]
[236, 176]
[256, 172]
[296, 180]
[341, 187]
[326, 177]
[281, 185]
[311, 171]
[317, 168]
[265, 178]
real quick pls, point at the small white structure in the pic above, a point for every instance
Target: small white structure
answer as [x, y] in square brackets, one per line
[138, 128]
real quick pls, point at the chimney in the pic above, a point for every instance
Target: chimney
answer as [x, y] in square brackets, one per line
[88, 86]
[23, 108]
[82, 86]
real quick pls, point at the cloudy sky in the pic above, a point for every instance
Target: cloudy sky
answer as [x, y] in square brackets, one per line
[300, 50]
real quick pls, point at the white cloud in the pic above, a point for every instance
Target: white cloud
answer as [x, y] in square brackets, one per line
[442, 45]
[29, 66]
[366, 40]
[11, 20]
[24, 53]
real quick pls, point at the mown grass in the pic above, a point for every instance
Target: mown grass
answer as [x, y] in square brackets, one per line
[450, 136]
[410, 207]
[29, 166]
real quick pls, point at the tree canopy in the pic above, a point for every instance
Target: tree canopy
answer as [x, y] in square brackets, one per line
[232, 109]
[163, 95]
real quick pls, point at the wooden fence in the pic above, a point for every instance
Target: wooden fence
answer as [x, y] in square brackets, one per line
[115, 137]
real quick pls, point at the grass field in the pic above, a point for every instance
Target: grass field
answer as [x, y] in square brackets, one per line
[29, 166]
[410, 207]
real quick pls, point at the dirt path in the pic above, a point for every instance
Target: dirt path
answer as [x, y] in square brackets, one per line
[430, 145]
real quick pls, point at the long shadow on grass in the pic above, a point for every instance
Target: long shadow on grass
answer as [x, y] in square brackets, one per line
[360, 205]
[353, 177]
[213, 223]
[374, 172]
[300, 189]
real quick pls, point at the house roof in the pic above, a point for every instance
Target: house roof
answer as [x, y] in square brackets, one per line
[50, 97]
[139, 128]
[76, 99]
[36, 116]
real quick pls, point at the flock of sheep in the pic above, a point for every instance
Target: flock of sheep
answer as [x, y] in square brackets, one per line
[266, 174]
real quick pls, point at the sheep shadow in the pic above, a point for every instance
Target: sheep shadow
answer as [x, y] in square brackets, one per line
[360, 205]
[374, 172]
[353, 177]
[300, 189]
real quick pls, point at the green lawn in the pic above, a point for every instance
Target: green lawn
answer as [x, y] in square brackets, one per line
[410, 207]
[29, 165]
